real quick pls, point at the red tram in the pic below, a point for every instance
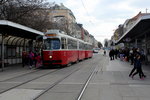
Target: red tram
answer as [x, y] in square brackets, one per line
[61, 49]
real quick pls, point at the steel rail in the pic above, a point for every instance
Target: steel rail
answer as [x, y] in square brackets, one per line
[20, 75]
[27, 81]
[86, 84]
[54, 84]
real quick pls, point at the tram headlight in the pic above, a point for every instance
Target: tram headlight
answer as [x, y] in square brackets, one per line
[50, 57]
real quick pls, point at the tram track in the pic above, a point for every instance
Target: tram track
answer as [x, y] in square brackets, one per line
[92, 71]
[20, 76]
[86, 84]
[83, 88]
[54, 84]
[13, 87]
[95, 71]
[48, 88]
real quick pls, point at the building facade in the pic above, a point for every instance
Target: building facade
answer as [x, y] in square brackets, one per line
[135, 33]
[66, 21]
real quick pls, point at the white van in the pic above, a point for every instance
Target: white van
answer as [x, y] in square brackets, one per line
[96, 50]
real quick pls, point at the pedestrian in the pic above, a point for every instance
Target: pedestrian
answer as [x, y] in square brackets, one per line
[104, 52]
[142, 55]
[116, 53]
[134, 68]
[34, 59]
[31, 57]
[131, 55]
[138, 67]
[24, 58]
[121, 55]
[111, 54]
[127, 52]
[38, 61]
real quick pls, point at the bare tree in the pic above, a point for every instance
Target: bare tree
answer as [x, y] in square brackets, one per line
[62, 24]
[3, 2]
[100, 44]
[31, 13]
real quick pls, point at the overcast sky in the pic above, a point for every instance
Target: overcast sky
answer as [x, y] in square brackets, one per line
[101, 17]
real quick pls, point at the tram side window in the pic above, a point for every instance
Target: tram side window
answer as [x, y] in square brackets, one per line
[63, 43]
[81, 46]
[72, 44]
[89, 47]
[85, 47]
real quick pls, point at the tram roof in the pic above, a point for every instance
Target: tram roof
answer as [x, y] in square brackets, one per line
[14, 29]
[61, 33]
[141, 27]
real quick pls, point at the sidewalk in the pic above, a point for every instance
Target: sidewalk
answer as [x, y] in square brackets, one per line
[113, 83]
[118, 65]
[123, 69]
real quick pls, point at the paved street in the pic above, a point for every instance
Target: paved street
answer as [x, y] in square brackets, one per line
[110, 81]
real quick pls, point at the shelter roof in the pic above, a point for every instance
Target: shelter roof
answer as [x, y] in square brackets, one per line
[141, 27]
[14, 29]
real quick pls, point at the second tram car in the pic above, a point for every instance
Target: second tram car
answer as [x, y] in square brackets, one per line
[61, 49]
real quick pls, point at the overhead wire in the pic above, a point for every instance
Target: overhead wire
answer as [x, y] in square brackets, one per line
[85, 7]
[86, 11]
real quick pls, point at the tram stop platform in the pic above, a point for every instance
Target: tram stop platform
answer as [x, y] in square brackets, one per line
[13, 71]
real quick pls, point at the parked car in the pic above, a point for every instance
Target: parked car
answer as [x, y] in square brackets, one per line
[96, 50]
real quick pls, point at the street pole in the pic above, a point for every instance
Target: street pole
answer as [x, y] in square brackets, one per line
[146, 10]
[136, 43]
[3, 52]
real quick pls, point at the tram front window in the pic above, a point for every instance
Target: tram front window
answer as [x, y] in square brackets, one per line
[51, 44]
